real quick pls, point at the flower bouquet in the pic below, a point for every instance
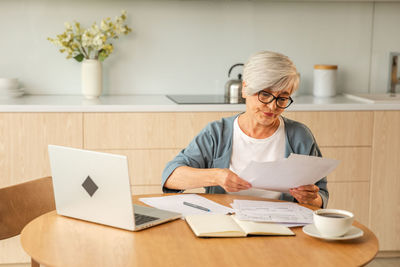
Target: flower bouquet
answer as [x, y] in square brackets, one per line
[91, 43]
[92, 46]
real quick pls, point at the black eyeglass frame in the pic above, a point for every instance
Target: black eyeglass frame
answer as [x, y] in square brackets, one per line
[274, 98]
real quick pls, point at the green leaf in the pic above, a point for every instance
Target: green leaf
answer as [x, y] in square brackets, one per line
[79, 57]
[102, 56]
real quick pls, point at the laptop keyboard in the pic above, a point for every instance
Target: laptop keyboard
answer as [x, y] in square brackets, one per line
[141, 218]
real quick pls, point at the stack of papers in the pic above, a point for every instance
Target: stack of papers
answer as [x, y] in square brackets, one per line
[291, 172]
[175, 204]
[286, 213]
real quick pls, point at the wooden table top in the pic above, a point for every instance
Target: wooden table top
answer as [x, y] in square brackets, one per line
[55, 240]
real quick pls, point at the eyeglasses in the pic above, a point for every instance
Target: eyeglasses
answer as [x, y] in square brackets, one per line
[281, 102]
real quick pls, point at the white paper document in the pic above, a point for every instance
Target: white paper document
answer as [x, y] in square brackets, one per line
[291, 172]
[287, 213]
[175, 204]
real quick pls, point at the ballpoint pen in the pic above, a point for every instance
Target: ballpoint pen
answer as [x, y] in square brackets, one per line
[195, 206]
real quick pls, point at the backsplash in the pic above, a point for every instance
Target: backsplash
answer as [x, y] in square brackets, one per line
[187, 47]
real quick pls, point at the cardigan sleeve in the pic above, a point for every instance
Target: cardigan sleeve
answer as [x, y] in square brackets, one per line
[322, 184]
[198, 154]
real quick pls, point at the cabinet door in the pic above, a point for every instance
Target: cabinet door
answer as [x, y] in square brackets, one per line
[351, 196]
[385, 180]
[337, 128]
[24, 138]
[146, 165]
[354, 165]
[145, 130]
[346, 136]
[149, 140]
[23, 152]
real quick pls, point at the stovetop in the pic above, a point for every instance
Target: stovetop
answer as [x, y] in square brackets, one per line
[200, 99]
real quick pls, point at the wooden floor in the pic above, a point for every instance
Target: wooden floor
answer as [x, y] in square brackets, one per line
[384, 262]
[378, 262]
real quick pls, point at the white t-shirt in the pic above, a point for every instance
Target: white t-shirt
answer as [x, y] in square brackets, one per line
[246, 149]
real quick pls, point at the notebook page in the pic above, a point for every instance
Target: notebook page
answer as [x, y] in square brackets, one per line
[214, 225]
[263, 228]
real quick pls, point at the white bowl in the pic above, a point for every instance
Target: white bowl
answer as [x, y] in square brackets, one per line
[333, 226]
[12, 93]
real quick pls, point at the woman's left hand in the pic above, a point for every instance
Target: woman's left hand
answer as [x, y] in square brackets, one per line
[307, 194]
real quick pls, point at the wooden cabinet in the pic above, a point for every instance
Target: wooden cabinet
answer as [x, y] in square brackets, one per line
[338, 128]
[354, 164]
[24, 138]
[23, 155]
[145, 130]
[346, 136]
[385, 180]
[352, 196]
[149, 140]
[349, 184]
[366, 142]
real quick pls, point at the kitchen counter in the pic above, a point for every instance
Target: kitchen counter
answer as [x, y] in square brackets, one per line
[160, 103]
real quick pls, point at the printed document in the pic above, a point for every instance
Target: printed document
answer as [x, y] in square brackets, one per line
[175, 204]
[287, 213]
[291, 172]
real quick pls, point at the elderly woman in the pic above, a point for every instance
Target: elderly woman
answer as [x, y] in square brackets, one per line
[216, 156]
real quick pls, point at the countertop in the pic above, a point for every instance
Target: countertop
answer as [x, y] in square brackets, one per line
[160, 103]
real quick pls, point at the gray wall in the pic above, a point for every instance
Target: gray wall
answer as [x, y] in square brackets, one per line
[186, 47]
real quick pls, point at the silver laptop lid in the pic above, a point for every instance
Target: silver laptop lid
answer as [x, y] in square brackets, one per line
[92, 186]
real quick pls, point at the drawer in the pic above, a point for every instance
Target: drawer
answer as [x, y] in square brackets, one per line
[353, 197]
[354, 166]
[146, 165]
[24, 138]
[338, 128]
[145, 130]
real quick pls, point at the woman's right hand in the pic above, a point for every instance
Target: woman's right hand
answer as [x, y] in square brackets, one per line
[231, 182]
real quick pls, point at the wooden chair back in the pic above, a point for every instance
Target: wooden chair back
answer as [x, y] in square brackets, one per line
[21, 203]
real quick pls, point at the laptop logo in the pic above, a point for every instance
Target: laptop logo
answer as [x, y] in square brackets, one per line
[90, 186]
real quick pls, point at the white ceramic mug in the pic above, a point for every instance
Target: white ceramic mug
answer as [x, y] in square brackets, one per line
[333, 222]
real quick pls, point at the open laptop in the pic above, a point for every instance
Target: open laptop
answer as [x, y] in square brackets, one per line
[95, 187]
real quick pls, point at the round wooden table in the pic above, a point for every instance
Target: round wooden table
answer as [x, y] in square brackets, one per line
[55, 240]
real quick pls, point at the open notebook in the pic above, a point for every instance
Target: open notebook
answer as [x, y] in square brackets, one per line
[219, 225]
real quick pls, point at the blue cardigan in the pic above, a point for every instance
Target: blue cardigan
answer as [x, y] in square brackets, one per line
[212, 148]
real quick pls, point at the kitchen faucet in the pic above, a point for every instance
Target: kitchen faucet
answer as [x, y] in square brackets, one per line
[394, 80]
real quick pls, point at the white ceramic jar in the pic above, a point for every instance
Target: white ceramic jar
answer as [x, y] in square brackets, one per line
[91, 78]
[325, 77]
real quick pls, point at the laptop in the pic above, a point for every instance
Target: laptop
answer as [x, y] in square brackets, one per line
[95, 186]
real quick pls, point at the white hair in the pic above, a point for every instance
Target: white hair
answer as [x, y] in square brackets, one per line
[270, 70]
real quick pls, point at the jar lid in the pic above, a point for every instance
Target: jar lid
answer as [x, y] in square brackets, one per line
[326, 67]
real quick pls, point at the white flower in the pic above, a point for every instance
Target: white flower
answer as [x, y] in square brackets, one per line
[68, 26]
[94, 30]
[104, 25]
[98, 41]
[86, 39]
